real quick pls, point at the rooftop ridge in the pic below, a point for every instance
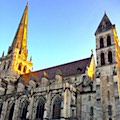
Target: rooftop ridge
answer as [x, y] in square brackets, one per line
[60, 65]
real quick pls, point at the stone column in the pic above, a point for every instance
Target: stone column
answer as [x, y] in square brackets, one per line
[30, 108]
[67, 100]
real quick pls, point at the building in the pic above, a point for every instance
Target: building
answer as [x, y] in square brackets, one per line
[78, 90]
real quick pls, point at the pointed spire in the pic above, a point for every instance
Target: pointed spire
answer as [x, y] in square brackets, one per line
[104, 25]
[3, 54]
[30, 58]
[20, 39]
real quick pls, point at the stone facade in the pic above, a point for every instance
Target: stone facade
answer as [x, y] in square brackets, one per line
[72, 91]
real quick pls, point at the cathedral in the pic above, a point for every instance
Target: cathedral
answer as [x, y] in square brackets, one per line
[79, 90]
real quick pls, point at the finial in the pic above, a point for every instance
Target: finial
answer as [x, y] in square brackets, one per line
[3, 54]
[27, 2]
[104, 12]
[31, 58]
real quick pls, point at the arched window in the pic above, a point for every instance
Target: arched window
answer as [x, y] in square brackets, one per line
[1, 109]
[102, 59]
[56, 108]
[40, 110]
[101, 43]
[108, 40]
[11, 112]
[110, 56]
[24, 70]
[20, 67]
[24, 110]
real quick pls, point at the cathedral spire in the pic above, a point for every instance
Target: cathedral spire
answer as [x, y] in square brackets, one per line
[20, 39]
[104, 25]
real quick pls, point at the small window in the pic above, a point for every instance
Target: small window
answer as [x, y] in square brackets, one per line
[109, 95]
[91, 111]
[108, 41]
[109, 109]
[110, 57]
[89, 98]
[102, 59]
[101, 43]
[20, 67]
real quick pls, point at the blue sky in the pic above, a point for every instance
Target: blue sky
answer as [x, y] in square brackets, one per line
[59, 31]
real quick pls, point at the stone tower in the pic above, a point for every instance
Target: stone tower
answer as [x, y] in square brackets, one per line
[15, 62]
[106, 81]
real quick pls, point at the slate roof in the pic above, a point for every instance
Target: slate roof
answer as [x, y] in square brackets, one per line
[68, 69]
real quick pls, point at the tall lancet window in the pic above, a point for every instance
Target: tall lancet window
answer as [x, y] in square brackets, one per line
[102, 59]
[20, 67]
[24, 110]
[108, 40]
[40, 109]
[110, 57]
[101, 43]
[56, 108]
[25, 68]
[11, 112]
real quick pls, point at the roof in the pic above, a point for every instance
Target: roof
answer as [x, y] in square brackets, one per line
[68, 69]
[104, 25]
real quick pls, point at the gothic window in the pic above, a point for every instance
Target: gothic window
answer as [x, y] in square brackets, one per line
[40, 110]
[9, 63]
[108, 40]
[101, 43]
[108, 95]
[24, 110]
[1, 109]
[110, 56]
[102, 59]
[20, 67]
[11, 112]
[24, 70]
[56, 109]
